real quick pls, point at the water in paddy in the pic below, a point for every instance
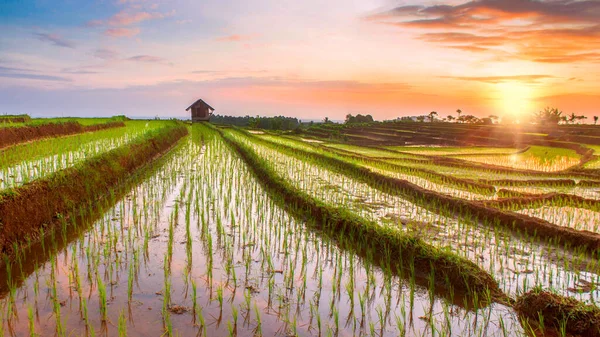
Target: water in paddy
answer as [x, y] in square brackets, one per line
[519, 263]
[198, 248]
[63, 155]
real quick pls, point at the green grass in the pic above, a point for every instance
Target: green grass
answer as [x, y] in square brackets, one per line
[446, 150]
[537, 158]
[368, 151]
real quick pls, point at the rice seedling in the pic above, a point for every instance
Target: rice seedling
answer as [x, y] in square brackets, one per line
[201, 216]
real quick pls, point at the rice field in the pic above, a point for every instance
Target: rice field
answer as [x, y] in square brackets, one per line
[225, 232]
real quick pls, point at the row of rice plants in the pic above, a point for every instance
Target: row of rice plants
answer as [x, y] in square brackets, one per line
[29, 209]
[506, 204]
[518, 264]
[446, 183]
[452, 150]
[536, 158]
[467, 189]
[24, 163]
[200, 249]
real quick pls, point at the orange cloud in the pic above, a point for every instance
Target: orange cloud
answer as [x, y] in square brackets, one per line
[557, 31]
[122, 32]
[124, 18]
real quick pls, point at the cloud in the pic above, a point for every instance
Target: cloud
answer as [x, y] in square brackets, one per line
[122, 32]
[146, 59]
[502, 79]
[106, 54]
[79, 71]
[126, 18]
[479, 12]
[546, 31]
[117, 25]
[234, 38]
[55, 40]
[29, 74]
[233, 96]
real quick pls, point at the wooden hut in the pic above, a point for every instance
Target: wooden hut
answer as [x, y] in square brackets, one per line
[200, 111]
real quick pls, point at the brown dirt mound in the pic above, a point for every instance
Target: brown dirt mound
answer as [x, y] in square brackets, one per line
[16, 135]
[41, 203]
[14, 119]
[577, 318]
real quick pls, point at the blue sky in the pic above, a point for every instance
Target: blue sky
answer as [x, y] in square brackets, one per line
[299, 58]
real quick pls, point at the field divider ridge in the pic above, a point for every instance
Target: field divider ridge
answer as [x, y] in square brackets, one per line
[27, 209]
[463, 275]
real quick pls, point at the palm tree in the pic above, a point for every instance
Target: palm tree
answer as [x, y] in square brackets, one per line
[595, 120]
[458, 111]
[432, 116]
[450, 118]
[551, 116]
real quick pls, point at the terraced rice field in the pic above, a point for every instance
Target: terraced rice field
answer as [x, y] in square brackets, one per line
[166, 229]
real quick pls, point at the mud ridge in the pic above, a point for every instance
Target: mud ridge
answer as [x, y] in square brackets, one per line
[12, 136]
[45, 202]
[463, 275]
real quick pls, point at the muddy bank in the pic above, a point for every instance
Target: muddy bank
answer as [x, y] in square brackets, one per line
[464, 184]
[15, 119]
[48, 201]
[518, 202]
[535, 227]
[16, 135]
[42, 250]
[531, 182]
[449, 269]
[559, 313]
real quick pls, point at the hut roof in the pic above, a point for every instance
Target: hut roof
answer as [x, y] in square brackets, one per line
[200, 101]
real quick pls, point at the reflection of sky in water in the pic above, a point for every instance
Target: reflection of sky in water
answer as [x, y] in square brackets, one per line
[27, 171]
[195, 193]
[518, 265]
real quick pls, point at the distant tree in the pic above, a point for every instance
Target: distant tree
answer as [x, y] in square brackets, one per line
[470, 119]
[595, 120]
[358, 119]
[254, 122]
[432, 116]
[573, 118]
[350, 119]
[549, 116]
[459, 112]
[494, 118]
[421, 119]
[450, 118]
[326, 120]
[270, 123]
[487, 121]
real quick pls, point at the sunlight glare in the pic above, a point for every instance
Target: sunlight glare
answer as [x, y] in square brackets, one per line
[515, 98]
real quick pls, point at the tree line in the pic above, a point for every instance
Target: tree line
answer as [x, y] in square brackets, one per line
[548, 116]
[268, 123]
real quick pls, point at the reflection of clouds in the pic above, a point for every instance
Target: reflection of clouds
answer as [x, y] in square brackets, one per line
[262, 231]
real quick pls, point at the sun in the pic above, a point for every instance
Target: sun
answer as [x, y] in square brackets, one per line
[515, 99]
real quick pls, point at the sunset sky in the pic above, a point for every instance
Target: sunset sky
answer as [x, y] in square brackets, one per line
[308, 58]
